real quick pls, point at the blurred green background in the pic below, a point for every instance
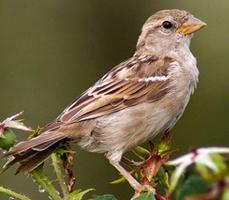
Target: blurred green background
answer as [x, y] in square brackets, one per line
[52, 50]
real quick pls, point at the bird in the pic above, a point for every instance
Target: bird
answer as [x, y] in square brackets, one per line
[139, 98]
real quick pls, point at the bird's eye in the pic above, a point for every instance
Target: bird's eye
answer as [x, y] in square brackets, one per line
[167, 25]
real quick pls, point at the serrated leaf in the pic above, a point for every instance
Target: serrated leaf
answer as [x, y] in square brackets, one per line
[104, 197]
[146, 196]
[193, 185]
[76, 195]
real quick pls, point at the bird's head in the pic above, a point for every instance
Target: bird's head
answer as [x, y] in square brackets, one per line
[168, 30]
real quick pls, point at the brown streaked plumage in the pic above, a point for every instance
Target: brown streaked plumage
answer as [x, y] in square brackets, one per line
[136, 100]
[113, 92]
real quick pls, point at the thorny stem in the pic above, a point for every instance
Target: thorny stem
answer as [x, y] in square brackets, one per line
[13, 194]
[45, 183]
[59, 175]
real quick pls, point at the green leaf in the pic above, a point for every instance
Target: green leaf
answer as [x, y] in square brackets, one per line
[77, 195]
[163, 177]
[205, 173]
[176, 175]
[104, 197]
[219, 162]
[225, 195]
[141, 152]
[119, 180]
[193, 185]
[213, 169]
[8, 139]
[146, 196]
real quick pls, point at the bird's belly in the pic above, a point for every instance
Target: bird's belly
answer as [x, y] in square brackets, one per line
[127, 128]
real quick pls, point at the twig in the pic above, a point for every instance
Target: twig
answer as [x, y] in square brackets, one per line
[45, 183]
[59, 175]
[11, 193]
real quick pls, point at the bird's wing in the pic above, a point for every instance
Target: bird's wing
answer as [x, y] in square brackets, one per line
[139, 79]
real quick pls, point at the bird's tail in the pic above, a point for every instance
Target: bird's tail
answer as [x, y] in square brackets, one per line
[32, 153]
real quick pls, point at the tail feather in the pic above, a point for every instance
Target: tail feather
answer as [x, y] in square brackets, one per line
[30, 163]
[38, 143]
[46, 145]
[18, 158]
[32, 153]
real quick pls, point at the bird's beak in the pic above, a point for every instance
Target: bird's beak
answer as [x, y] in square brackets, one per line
[190, 26]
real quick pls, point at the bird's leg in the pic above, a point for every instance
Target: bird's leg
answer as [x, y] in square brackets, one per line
[132, 181]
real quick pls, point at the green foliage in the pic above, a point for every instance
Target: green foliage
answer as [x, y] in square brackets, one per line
[217, 170]
[200, 174]
[191, 185]
[7, 139]
[104, 197]
[43, 182]
[225, 195]
[12, 194]
[78, 195]
[146, 196]
[163, 178]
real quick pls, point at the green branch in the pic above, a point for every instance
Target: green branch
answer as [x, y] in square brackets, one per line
[11, 193]
[45, 183]
[59, 175]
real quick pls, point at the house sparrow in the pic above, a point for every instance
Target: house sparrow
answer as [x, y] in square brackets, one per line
[136, 100]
